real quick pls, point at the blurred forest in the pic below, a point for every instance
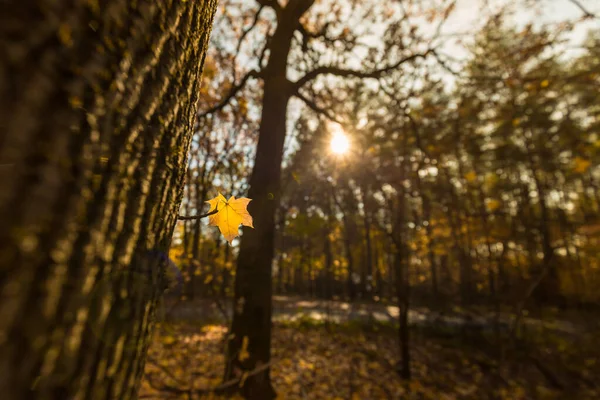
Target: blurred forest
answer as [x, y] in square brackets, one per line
[435, 223]
[424, 178]
[461, 211]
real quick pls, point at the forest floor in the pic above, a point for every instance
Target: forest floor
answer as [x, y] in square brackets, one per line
[349, 354]
[290, 308]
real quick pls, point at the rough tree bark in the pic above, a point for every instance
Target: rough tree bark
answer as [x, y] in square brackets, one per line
[96, 110]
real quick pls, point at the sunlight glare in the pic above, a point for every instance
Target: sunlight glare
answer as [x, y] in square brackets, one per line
[339, 143]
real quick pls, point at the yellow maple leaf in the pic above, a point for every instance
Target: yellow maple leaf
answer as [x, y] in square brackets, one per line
[581, 165]
[231, 213]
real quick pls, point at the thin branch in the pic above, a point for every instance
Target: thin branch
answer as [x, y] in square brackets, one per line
[232, 93]
[216, 389]
[261, 56]
[245, 33]
[164, 370]
[586, 12]
[322, 34]
[313, 106]
[313, 35]
[337, 71]
[194, 217]
[249, 29]
[274, 4]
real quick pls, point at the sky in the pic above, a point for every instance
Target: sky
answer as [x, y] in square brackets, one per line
[466, 17]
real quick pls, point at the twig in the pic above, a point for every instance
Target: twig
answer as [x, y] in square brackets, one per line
[586, 12]
[194, 217]
[216, 389]
[548, 374]
[232, 93]
[164, 370]
[338, 71]
[313, 106]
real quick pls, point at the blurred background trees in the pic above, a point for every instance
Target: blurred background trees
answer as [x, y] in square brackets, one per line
[464, 173]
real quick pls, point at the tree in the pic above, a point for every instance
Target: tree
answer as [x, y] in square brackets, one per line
[305, 33]
[97, 105]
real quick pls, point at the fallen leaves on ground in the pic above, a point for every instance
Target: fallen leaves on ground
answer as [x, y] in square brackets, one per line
[321, 361]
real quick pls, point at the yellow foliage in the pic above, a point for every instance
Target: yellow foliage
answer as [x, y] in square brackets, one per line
[491, 180]
[581, 165]
[492, 204]
[244, 355]
[339, 362]
[471, 176]
[231, 213]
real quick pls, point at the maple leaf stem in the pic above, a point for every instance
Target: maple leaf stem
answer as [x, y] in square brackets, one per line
[192, 217]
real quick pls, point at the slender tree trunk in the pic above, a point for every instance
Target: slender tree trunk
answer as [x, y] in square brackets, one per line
[226, 274]
[549, 288]
[303, 269]
[280, 259]
[97, 106]
[378, 280]
[280, 271]
[350, 286]
[403, 287]
[401, 262]
[328, 250]
[430, 248]
[253, 285]
[197, 260]
[368, 268]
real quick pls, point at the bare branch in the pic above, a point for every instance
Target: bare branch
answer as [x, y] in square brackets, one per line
[232, 93]
[586, 12]
[337, 71]
[249, 29]
[263, 52]
[313, 106]
[313, 35]
[245, 33]
[217, 389]
[274, 4]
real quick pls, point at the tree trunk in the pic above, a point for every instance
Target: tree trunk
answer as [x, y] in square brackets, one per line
[252, 317]
[430, 247]
[197, 260]
[97, 107]
[368, 256]
[350, 286]
[401, 261]
[548, 291]
[253, 285]
[402, 289]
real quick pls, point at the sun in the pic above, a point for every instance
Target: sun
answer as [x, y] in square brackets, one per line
[339, 142]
